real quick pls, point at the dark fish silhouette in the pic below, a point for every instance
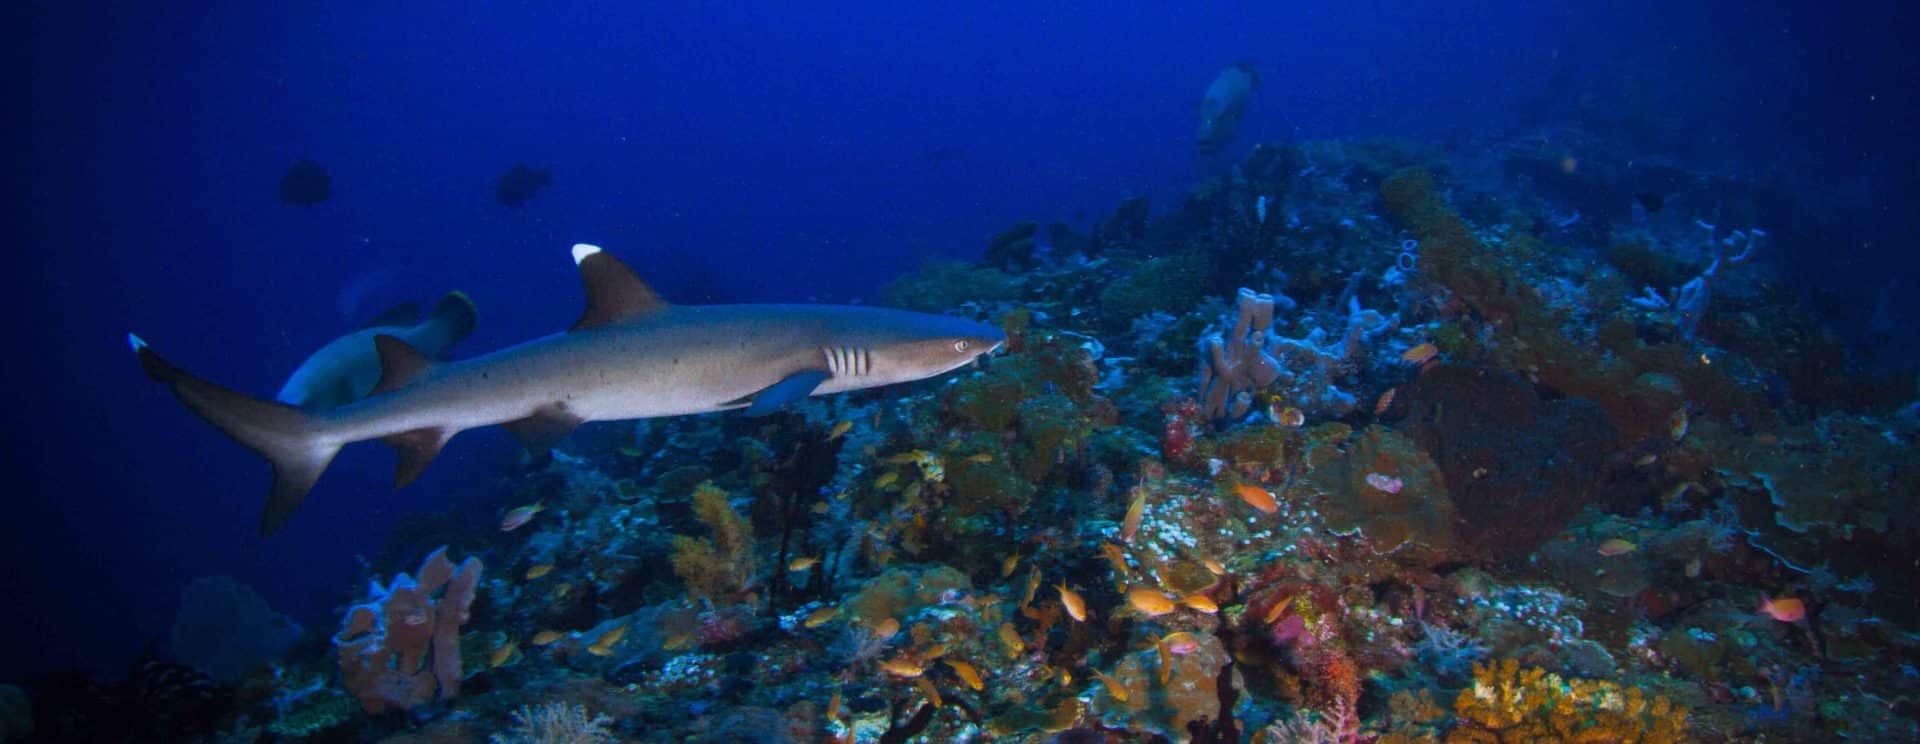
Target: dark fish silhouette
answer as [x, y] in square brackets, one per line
[520, 183]
[306, 184]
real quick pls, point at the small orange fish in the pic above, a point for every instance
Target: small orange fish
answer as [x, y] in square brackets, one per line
[886, 479]
[887, 628]
[502, 655]
[520, 516]
[1214, 567]
[603, 646]
[534, 572]
[1677, 425]
[1011, 639]
[1274, 613]
[839, 430]
[1076, 607]
[1287, 416]
[1033, 585]
[982, 458]
[1166, 659]
[802, 563]
[561, 589]
[1693, 568]
[966, 673]
[1114, 688]
[1150, 602]
[1617, 546]
[903, 666]
[1386, 400]
[1784, 609]
[547, 637]
[820, 507]
[1257, 497]
[1420, 354]
[1645, 460]
[927, 689]
[1130, 523]
[1200, 603]
[833, 706]
[820, 617]
[677, 642]
[1115, 558]
[1181, 643]
[1007, 565]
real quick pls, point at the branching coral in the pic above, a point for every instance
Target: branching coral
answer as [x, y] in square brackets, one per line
[720, 568]
[402, 648]
[1509, 704]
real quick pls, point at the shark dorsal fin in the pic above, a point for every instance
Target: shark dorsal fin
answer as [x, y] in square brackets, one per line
[614, 292]
[399, 363]
[403, 314]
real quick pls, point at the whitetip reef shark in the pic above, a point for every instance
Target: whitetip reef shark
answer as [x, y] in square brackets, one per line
[631, 355]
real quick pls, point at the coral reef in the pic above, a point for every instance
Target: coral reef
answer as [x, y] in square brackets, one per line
[1452, 455]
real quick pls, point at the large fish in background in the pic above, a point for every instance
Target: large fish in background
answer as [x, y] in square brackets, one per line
[347, 368]
[1221, 108]
[631, 355]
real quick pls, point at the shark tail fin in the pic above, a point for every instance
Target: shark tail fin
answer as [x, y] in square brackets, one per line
[289, 438]
[456, 316]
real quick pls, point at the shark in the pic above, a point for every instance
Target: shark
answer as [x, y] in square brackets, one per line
[346, 368]
[630, 355]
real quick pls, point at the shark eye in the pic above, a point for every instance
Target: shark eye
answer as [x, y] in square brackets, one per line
[961, 345]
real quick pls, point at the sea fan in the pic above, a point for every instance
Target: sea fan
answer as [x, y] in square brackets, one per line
[556, 723]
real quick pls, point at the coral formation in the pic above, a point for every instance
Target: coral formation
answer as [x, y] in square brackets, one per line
[225, 629]
[1509, 704]
[720, 568]
[401, 648]
[1248, 354]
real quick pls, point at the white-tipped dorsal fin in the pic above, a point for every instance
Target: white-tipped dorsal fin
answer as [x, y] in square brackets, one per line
[136, 342]
[614, 293]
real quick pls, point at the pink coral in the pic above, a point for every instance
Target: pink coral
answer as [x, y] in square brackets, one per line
[402, 648]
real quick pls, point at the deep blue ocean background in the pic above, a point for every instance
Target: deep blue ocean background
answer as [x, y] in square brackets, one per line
[734, 152]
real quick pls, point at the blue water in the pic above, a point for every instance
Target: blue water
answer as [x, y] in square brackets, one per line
[736, 152]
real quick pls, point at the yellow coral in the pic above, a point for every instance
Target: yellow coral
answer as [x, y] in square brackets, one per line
[720, 568]
[1509, 704]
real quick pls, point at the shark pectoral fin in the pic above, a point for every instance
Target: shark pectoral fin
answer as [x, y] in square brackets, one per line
[544, 429]
[404, 314]
[614, 292]
[400, 363]
[417, 448]
[795, 387]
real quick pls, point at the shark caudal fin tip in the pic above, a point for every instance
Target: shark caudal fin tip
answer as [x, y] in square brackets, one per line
[582, 250]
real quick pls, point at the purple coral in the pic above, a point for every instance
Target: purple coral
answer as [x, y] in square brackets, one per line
[402, 647]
